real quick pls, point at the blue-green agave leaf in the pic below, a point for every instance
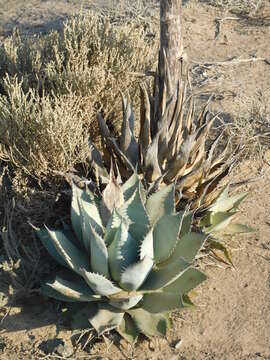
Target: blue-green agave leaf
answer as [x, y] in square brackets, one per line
[80, 318]
[134, 210]
[225, 203]
[99, 284]
[161, 277]
[149, 324]
[188, 247]
[187, 282]
[128, 330]
[138, 232]
[106, 318]
[51, 293]
[147, 246]
[77, 194]
[99, 254]
[135, 274]
[127, 303]
[235, 228]
[90, 218]
[130, 186]
[162, 302]
[69, 290]
[122, 251]
[219, 221]
[45, 238]
[160, 203]
[112, 226]
[186, 223]
[165, 234]
[72, 256]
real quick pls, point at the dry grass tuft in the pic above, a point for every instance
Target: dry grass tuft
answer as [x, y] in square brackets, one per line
[250, 128]
[52, 87]
[244, 6]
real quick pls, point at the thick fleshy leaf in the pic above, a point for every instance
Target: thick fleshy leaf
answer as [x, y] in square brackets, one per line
[72, 256]
[95, 159]
[177, 165]
[150, 161]
[145, 121]
[111, 143]
[149, 324]
[186, 223]
[106, 318]
[70, 290]
[219, 221]
[75, 212]
[112, 198]
[99, 284]
[138, 232]
[161, 277]
[162, 302]
[135, 274]
[79, 317]
[129, 187]
[188, 246]
[134, 209]
[235, 228]
[128, 330]
[187, 282]
[51, 293]
[147, 246]
[123, 252]
[160, 203]
[165, 234]
[112, 226]
[45, 238]
[90, 218]
[125, 304]
[99, 254]
[226, 203]
[128, 143]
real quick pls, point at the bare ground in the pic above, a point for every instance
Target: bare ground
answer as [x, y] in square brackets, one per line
[232, 317]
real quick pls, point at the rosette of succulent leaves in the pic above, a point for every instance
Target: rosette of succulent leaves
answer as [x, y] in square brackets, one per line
[128, 259]
[173, 146]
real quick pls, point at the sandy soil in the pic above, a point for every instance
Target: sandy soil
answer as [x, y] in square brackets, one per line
[232, 317]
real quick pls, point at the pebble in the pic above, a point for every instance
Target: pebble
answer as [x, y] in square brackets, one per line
[64, 350]
[178, 344]
[57, 346]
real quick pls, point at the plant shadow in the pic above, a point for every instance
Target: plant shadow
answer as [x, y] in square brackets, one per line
[33, 313]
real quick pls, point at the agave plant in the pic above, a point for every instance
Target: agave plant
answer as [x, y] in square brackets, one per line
[128, 258]
[171, 146]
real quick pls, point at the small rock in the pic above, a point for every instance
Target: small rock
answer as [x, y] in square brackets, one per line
[49, 346]
[178, 344]
[151, 346]
[58, 346]
[64, 350]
